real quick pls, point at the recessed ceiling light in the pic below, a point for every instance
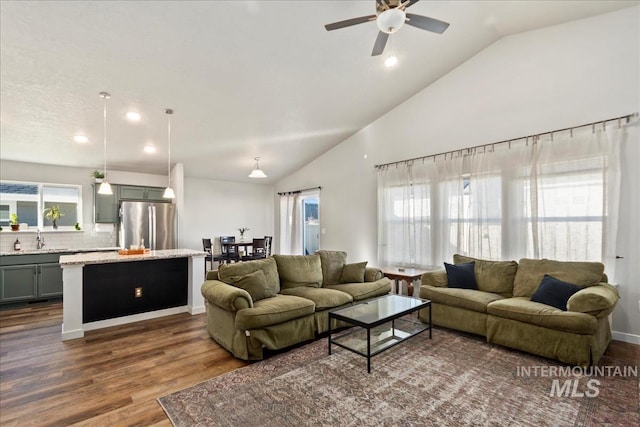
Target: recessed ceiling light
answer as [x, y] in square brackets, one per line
[391, 61]
[149, 149]
[133, 116]
[81, 139]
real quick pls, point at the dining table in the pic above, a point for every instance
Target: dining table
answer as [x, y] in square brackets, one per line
[237, 246]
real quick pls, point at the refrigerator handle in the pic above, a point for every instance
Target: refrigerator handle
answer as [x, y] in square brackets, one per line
[150, 222]
[155, 229]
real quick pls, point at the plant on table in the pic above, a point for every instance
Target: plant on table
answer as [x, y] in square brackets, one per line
[242, 231]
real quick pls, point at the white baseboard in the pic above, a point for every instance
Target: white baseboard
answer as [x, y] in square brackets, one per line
[625, 337]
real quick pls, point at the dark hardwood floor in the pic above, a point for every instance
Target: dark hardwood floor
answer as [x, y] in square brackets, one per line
[112, 377]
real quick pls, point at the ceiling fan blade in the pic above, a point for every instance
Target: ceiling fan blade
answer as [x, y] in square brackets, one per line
[426, 23]
[381, 42]
[410, 3]
[349, 22]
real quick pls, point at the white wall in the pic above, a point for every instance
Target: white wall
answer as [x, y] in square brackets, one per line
[219, 208]
[528, 83]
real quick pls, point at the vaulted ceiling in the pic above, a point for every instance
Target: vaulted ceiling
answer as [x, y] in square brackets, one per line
[245, 78]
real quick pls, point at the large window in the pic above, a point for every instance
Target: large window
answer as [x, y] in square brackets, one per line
[29, 200]
[554, 198]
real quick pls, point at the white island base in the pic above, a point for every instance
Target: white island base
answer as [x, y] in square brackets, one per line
[73, 273]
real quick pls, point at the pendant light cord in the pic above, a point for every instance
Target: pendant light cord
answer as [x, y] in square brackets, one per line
[105, 136]
[169, 112]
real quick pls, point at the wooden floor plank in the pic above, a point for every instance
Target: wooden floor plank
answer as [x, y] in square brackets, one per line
[112, 376]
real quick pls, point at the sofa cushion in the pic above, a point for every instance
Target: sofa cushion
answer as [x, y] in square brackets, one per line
[267, 265]
[492, 276]
[255, 284]
[361, 291]
[461, 275]
[535, 313]
[531, 271]
[272, 311]
[332, 263]
[554, 292]
[299, 270]
[469, 299]
[323, 298]
[353, 273]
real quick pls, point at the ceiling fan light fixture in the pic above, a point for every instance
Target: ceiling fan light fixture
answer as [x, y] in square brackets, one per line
[391, 20]
[257, 172]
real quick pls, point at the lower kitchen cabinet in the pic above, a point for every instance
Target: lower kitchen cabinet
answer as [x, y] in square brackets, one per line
[21, 279]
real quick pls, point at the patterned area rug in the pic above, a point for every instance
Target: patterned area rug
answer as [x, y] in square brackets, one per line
[451, 380]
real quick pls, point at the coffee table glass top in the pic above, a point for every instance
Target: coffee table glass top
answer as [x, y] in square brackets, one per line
[380, 308]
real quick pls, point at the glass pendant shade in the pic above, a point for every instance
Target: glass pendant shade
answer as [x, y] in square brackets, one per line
[257, 172]
[169, 193]
[105, 188]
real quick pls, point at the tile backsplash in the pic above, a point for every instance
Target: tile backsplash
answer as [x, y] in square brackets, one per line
[58, 239]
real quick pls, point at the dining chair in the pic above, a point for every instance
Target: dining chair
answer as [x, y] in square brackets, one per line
[206, 245]
[268, 241]
[258, 249]
[228, 253]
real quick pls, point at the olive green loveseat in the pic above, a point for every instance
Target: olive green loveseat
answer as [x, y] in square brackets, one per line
[501, 309]
[283, 300]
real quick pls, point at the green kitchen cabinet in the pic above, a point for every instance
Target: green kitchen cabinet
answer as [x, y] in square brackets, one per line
[105, 206]
[135, 192]
[30, 277]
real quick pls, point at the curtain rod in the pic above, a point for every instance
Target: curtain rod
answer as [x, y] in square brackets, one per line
[299, 191]
[627, 117]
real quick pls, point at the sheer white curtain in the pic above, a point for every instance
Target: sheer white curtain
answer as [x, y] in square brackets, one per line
[290, 224]
[553, 196]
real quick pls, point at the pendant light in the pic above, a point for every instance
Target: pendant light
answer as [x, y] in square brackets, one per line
[257, 172]
[168, 192]
[105, 187]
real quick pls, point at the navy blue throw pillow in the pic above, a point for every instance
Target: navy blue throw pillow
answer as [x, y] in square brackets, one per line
[461, 275]
[554, 292]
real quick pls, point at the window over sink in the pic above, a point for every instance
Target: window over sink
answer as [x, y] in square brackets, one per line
[29, 200]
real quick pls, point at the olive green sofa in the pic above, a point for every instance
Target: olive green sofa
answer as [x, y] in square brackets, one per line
[283, 300]
[502, 311]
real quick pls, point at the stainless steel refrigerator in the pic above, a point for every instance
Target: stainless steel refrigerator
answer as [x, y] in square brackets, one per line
[153, 222]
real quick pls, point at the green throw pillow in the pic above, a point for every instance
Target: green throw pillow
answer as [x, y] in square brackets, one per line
[353, 273]
[255, 284]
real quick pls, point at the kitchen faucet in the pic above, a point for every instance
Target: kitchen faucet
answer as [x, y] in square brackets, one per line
[39, 240]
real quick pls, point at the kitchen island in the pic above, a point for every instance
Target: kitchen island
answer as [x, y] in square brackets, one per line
[104, 289]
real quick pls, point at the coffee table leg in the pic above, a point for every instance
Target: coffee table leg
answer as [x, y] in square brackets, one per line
[330, 332]
[430, 323]
[368, 350]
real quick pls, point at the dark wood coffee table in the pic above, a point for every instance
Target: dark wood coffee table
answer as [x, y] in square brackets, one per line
[383, 322]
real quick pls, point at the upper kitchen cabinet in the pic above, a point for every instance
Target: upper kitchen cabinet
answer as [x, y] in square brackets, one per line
[105, 206]
[134, 192]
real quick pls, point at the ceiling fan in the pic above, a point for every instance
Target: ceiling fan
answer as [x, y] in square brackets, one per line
[390, 17]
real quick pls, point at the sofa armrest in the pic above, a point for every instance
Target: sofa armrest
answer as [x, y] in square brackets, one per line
[225, 296]
[213, 275]
[371, 274]
[598, 300]
[435, 278]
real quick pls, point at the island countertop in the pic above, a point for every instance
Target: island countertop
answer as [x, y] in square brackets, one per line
[113, 256]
